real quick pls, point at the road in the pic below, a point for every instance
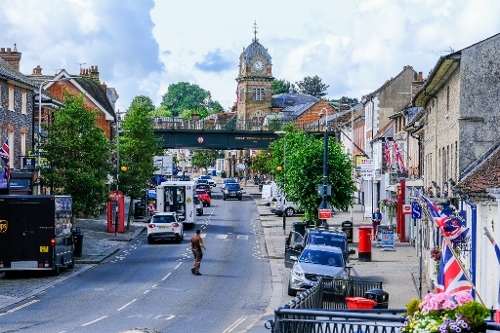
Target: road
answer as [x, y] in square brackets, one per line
[151, 286]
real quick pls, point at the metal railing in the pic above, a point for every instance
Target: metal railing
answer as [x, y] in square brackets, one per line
[214, 124]
[319, 311]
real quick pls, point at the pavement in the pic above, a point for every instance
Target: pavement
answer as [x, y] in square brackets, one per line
[397, 269]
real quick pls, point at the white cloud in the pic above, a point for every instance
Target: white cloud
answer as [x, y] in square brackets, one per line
[141, 47]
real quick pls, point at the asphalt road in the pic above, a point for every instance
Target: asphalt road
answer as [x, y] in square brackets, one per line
[150, 287]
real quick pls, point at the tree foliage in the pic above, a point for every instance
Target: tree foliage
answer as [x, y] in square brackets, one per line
[138, 146]
[185, 96]
[78, 153]
[146, 102]
[204, 158]
[344, 100]
[280, 87]
[161, 111]
[263, 163]
[312, 86]
[302, 158]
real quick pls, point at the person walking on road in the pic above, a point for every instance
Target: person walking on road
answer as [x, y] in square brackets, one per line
[196, 246]
[376, 219]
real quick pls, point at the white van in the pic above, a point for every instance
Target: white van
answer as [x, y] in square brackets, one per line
[269, 192]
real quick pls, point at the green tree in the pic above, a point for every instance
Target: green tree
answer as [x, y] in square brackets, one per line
[138, 146]
[280, 87]
[146, 101]
[312, 86]
[185, 96]
[263, 163]
[79, 155]
[161, 111]
[303, 171]
[204, 158]
[344, 100]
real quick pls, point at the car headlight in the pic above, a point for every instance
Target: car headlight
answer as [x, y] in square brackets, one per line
[343, 274]
[297, 272]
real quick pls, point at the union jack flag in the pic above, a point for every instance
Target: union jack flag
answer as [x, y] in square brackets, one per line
[398, 154]
[387, 152]
[450, 228]
[451, 277]
[5, 151]
[4, 155]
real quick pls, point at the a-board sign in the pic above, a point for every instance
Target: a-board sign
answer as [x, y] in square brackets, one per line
[386, 233]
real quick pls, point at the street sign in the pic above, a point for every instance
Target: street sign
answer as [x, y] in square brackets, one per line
[324, 214]
[406, 209]
[416, 210]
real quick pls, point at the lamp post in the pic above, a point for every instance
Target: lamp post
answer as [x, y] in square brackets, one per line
[324, 204]
[40, 123]
[284, 177]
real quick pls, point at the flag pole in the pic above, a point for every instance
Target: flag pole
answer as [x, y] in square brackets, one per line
[462, 268]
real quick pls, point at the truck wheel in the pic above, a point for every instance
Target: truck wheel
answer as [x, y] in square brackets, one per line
[72, 264]
[56, 271]
[239, 198]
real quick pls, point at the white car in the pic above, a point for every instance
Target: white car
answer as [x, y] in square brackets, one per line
[209, 179]
[165, 226]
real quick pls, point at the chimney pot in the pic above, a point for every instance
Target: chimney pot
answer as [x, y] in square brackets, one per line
[8, 50]
[2, 49]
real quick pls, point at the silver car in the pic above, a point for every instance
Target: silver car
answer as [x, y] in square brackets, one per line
[316, 261]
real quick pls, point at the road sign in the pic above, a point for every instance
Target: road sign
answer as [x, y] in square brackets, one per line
[406, 209]
[324, 214]
[416, 210]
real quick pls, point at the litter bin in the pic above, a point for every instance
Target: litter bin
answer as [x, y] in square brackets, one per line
[299, 227]
[140, 209]
[223, 174]
[347, 229]
[379, 296]
[365, 243]
[214, 172]
[359, 303]
[77, 242]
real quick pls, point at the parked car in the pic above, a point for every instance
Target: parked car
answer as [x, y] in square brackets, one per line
[204, 197]
[183, 178]
[232, 190]
[281, 205]
[165, 226]
[295, 243]
[198, 204]
[228, 181]
[204, 187]
[209, 179]
[314, 262]
[269, 191]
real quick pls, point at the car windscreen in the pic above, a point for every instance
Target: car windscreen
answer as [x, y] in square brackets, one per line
[233, 187]
[163, 219]
[203, 186]
[325, 239]
[322, 258]
[201, 192]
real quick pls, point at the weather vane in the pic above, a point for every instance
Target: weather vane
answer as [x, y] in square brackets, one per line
[255, 31]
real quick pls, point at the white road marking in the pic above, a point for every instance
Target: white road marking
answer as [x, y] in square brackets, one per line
[235, 324]
[147, 291]
[19, 307]
[178, 265]
[94, 321]
[166, 276]
[123, 307]
[221, 237]
[242, 237]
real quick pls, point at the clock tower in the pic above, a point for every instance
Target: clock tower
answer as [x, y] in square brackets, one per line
[254, 85]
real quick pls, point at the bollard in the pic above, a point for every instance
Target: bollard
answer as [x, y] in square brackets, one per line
[365, 243]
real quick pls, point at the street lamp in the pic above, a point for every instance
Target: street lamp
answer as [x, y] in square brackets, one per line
[40, 122]
[324, 204]
[279, 168]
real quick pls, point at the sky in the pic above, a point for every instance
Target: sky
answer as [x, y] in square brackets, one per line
[143, 46]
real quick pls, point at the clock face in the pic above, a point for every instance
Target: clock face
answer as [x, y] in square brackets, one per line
[258, 66]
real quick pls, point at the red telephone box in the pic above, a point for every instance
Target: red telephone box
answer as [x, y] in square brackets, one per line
[116, 212]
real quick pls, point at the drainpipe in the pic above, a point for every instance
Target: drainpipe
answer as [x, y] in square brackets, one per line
[473, 242]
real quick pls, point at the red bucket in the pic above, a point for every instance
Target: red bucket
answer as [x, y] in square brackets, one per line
[356, 303]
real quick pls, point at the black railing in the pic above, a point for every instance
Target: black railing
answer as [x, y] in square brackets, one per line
[311, 311]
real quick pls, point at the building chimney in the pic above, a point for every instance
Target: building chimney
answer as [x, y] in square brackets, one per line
[11, 56]
[37, 70]
[420, 77]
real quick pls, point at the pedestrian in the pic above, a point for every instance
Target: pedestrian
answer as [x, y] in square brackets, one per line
[196, 246]
[376, 219]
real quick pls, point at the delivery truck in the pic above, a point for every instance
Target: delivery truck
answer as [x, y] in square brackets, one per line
[35, 233]
[177, 196]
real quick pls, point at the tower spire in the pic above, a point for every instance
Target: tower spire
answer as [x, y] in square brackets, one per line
[255, 31]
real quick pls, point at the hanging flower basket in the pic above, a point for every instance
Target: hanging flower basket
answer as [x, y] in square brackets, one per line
[445, 313]
[390, 205]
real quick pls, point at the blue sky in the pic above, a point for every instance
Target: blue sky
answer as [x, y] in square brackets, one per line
[143, 46]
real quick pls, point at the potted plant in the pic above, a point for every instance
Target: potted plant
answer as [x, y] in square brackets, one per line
[444, 312]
